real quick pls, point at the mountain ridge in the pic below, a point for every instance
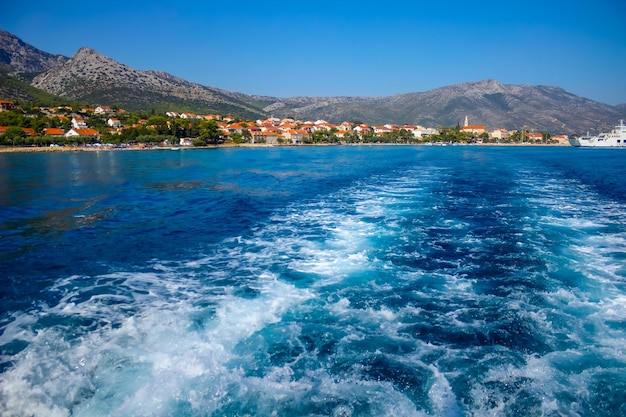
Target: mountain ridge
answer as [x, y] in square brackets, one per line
[91, 77]
[24, 58]
[487, 102]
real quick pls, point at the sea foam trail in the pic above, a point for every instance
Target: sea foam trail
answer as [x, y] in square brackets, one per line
[135, 354]
[407, 294]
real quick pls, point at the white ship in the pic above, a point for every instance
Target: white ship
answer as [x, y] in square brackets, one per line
[615, 139]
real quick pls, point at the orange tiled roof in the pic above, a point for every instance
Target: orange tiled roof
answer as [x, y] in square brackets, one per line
[86, 132]
[53, 131]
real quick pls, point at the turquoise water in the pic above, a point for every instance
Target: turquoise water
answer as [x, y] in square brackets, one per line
[342, 281]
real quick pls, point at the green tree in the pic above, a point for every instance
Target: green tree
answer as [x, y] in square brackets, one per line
[39, 123]
[160, 124]
[65, 124]
[14, 135]
[45, 140]
[209, 131]
[97, 123]
[321, 136]
[351, 137]
[332, 137]
[236, 137]
[180, 127]
[12, 118]
[404, 135]
[246, 135]
[547, 137]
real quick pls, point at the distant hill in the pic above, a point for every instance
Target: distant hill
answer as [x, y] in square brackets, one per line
[92, 78]
[488, 102]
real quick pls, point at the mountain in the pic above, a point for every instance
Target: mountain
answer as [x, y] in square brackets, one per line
[488, 102]
[92, 78]
[19, 63]
[23, 58]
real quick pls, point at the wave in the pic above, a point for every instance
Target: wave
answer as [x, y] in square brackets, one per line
[412, 292]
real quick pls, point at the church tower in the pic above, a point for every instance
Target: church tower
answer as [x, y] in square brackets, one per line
[466, 121]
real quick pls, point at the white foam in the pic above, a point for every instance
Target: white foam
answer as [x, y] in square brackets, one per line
[175, 334]
[445, 403]
[134, 364]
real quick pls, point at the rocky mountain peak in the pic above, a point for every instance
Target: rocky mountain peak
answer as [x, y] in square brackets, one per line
[87, 58]
[24, 58]
[87, 69]
[490, 84]
[86, 50]
[96, 77]
[479, 88]
[91, 55]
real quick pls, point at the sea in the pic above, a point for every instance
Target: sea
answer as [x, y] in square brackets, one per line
[314, 281]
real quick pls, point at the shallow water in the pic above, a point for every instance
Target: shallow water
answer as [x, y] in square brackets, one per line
[345, 281]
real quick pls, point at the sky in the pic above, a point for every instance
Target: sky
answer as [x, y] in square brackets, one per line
[344, 48]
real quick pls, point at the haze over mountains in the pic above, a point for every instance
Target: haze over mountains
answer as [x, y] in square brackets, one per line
[90, 77]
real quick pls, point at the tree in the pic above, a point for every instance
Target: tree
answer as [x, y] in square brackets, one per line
[351, 137]
[97, 123]
[546, 137]
[236, 137]
[14, 135]
[246, 135]
[332, 137]
[320, 136]
[404, 136]
[209, 131]
[515, 137]
[12, 118]
[65, 124]
[160, 124]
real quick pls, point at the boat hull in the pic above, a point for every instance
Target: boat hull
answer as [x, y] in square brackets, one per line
[614, 139]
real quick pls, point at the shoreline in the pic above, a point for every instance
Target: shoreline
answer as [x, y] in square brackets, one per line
[36, 149]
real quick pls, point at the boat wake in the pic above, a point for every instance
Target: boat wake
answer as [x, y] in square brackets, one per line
[405, 294]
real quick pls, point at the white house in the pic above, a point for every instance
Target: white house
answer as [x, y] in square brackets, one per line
[189, 116]
[91, 133]
[113, 122]
[346, 126]
[103, 110]
[362, 129]
[499, 134]
[381, 130]
[78, 122]
[421, 131]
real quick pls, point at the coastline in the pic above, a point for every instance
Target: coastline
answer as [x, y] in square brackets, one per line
[27, 149]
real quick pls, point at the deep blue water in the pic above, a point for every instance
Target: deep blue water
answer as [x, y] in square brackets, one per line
[342, 281]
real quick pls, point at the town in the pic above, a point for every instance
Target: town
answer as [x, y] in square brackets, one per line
[21, 125]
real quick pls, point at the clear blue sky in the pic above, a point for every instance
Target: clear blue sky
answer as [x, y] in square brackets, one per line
[344, 48]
